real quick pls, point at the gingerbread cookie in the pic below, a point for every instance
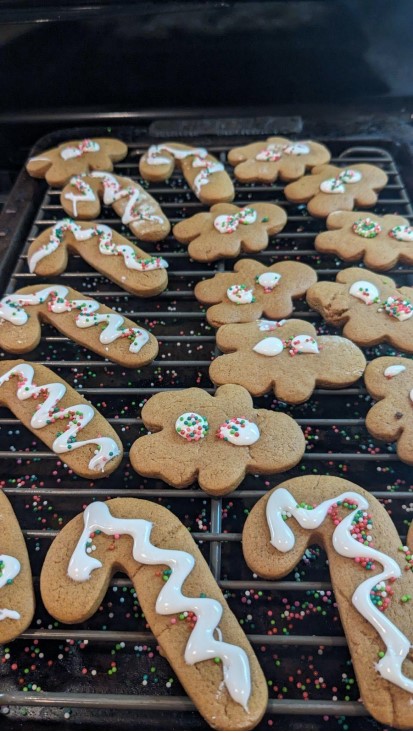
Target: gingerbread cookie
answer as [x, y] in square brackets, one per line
[381, 241]
[227, 230]
[204, 173]
[17, 600]
[286, 356]
[183, 605]
[389, 379]
[214, 439]
[120, 340]
[253, 290]
[371, 573]
[82, 196]
[369, 306]
[275, 157]
[329, 188]
[102, 247]
[73, 157]
[60, 413]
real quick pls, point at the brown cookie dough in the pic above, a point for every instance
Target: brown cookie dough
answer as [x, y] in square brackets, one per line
[74, 157]
[102, 247]
[216, 440]
[369, 306]
[336, 512]
[389, 379]
[80, 318]
[227, 230]
[204, 174]
[381, 241]
[329, 188]
[61, 414]
[275, 157]
[253, 290]
[286, 356]
[82, 196]
[17, 602]
[143, 540]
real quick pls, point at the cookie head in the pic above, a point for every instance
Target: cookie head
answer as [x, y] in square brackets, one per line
[275, 157]
[74, 157]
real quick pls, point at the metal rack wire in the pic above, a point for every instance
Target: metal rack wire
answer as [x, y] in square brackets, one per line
[338, 444]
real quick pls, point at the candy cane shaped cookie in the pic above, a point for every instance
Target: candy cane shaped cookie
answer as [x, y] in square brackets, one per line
[77, 317]
[82, 196]
[182, 603]
[44, 402]
[16, 588]
[102, 247]
[371, 573]
[73, 157]
[204, 173]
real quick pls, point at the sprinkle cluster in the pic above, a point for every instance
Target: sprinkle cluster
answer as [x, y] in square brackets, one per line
[191, 426]
[367, 228]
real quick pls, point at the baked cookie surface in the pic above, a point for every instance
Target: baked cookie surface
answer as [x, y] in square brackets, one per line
[275, 157]
[74, 157]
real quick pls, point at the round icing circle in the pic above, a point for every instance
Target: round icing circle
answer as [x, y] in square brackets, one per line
[365, 291]
[268, 280]
[239, 431]
[402, 233]
[367, 228]
[240, 294]
[191, 426]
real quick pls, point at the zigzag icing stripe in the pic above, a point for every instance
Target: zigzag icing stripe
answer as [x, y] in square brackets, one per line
[106, 246]
[134, 212]
[202, 644]
[12, 309]
[78, 416]
[199, 161]
[282, 503]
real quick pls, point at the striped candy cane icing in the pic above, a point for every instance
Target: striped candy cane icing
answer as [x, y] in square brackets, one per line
[202, 644]
[282, 505]
[12, 309]
[106, 246]
[9, 569]
[47, 412]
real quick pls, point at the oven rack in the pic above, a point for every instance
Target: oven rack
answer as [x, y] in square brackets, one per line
[170, 317]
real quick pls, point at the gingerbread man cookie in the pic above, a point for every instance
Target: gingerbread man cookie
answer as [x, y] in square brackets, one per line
[214, 439]
[205, 174]
[102, 247]
[17, 600]
[371, 573]
[275, 157]
[389, 379]
[227, 230]
[182, 603]
[73, 315]
[75, 157]
[81, 198]
[329, 188]
[253, 290]
[369, 306]
[286, 356]
[60, 414]
[381, 241]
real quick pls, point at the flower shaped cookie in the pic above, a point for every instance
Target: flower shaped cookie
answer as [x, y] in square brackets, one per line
[253, 290]
[215, 439]
[380, 240]
[330, 188]
[228, 229]
[266, 160]
[286, 356]
[390, 380]
[369, 306]
[75, 157]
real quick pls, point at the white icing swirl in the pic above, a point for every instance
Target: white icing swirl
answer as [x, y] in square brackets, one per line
[137, 208]
[78, 416]
[270, 346]
[365, 291]
[86, 192]
[202, 644]
[203, 178]
[86, 146]
[10, 568]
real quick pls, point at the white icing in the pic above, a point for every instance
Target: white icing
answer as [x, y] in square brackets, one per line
[10, 570]
[86, 146]
[398, 308]
[280, 503]
[202, 179]
[402, 233]
[411, 395]
[139, 337]
[365, 291]
[239, 431]
[86, 192]
[269, 346]
[240, 294]
[338, 184]
[275, 151]
[153, 157]
[264, 325]
[304, 344]
[202, 644]
[78, 416]
[268, 280]
[394, 370]
[228, 223]
[297, 149]
[191, 426]
[12, 307]
[134, 212]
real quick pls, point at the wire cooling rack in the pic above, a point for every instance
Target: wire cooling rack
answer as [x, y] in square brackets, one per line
[108, 671]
